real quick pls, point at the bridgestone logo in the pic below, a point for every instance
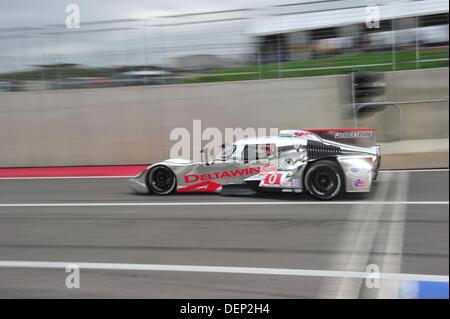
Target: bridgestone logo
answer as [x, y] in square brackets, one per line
[363, 134]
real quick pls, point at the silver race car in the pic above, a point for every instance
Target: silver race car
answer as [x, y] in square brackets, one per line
[321, 162]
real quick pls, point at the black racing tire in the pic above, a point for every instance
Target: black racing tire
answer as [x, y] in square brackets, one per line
[324, 180]
[161, 180]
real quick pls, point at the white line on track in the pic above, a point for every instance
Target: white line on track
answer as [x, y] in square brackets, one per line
[219, 269]
[392, 261]
[102, 177]
[225, 203]
[361, 239]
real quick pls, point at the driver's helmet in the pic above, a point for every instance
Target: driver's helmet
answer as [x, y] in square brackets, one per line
[270, 148]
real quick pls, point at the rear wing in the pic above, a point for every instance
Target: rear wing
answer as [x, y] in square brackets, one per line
[362, 137]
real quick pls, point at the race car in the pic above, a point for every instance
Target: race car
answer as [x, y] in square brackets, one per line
[321, 162]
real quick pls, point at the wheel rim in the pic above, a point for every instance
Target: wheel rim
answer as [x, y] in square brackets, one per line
[323, 181]
[162, 180]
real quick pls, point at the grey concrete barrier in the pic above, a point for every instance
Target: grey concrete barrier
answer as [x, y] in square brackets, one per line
[132, 125]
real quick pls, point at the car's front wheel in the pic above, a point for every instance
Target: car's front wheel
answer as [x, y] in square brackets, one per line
[324, 180]
[161, 180]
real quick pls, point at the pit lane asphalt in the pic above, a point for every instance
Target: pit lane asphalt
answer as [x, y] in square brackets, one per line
[403, 237]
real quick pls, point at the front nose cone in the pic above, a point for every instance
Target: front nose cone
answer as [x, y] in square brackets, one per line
[138, 186]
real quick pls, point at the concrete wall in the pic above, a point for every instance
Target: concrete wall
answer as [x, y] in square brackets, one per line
[420, 120]
[132, 125]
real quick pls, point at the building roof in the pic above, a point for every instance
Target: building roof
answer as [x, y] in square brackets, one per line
[324, 14]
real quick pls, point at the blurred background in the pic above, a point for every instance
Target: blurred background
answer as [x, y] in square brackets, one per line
[112, 90]
[289, 40]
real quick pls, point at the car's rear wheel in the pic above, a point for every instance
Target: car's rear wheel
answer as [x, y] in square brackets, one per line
[161, 180]
[324, 180]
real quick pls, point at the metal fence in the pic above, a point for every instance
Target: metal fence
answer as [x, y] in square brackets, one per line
[302, 39]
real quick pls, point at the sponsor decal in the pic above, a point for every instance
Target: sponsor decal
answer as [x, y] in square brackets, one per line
[269, 168]
[297, 183]
[302, 133]
[192, 178]
[203, 187]
[357, 134]
[358, 183]
[354, 170]
[287, 184]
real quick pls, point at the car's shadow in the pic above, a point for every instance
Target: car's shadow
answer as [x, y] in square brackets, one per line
[302, 197]
[263, 196]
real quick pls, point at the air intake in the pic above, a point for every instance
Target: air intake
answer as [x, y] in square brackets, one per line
[316, 150]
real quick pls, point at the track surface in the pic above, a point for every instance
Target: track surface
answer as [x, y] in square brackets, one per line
[402, 237]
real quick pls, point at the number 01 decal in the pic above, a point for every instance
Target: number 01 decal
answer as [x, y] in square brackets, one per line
[273, 179]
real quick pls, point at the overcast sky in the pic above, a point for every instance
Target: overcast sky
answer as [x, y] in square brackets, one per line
[14, 13]
[25, 49]
[134, 43]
